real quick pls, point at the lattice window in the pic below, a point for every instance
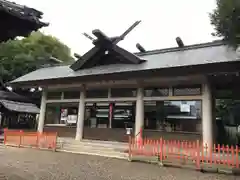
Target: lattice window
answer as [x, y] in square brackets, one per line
[186, 91]
[72, 94]
[103, 93]
[123, 92]
[156, 92]
[54, 95]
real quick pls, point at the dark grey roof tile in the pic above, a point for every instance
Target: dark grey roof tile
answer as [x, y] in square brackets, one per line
[20, 107]
[22, 12]
[163, 59]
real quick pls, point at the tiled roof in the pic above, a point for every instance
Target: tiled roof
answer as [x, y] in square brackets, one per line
[6, 94]
[22, 12]
[200, 54]
[12, 96]
[20, 107]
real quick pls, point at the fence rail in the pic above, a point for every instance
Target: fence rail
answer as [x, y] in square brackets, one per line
[19, 138]
[186, 152]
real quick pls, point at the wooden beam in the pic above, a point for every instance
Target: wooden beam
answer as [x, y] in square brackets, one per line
[88, 55]
[101, 37]
[127, 55]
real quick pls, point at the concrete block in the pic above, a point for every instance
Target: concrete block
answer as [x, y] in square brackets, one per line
[225, 171]
[236, 171]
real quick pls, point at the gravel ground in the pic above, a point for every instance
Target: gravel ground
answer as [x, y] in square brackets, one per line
[30, 164]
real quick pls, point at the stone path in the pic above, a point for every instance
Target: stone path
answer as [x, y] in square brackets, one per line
[30, 164]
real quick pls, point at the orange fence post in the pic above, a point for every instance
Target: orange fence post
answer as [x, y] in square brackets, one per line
[219, 154]
[20, 138]
[228, 156]
[224, 155]
[55, 143]
[164, 144]
[5, 135]
[193, 150]
[145, 145]
[214, 152]
[203, 152]
[154, 147]
[198, 155]
[237, 156]
[157, 148]
[232, 156]
[37, 140]
[161, 150]
[182, 150]
[179, 148]
[141, 137]
[211, 153]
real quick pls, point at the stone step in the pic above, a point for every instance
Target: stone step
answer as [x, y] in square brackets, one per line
[112, 154]
[100, 148]
[86, 147]
[93, 149]
[93, 144]
[75, 148]
[89, 148]
[73, 141]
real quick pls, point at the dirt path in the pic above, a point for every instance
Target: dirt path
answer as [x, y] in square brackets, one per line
[28, 164]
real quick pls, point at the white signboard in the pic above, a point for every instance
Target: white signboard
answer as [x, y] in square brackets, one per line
[185, 108]
[72, 119]
[128, 131]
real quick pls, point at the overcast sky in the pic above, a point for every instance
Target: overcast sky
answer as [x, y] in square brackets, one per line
[162, 21]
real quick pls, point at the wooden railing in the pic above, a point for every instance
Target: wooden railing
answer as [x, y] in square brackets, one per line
[192, 153]
[19, 138]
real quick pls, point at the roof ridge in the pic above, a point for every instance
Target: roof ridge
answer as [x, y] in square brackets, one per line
[188, 47]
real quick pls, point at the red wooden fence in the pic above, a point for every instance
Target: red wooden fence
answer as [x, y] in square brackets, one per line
[185, 151]
[20, 138]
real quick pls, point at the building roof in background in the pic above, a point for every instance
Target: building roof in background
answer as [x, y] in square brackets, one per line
[20, 20]
[199, 54]
[5, 93]
[20, 107]
[22, 12]
[12, 96]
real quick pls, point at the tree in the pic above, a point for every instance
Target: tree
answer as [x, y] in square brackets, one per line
[21, 56]
[226, 20]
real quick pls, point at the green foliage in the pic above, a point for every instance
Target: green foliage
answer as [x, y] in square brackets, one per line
[226, 20]
[19, 57]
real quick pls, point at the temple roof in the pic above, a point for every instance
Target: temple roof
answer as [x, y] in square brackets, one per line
[18, 20]
[9, 95]
[20, 107]
[15, 102]
[189, 56]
